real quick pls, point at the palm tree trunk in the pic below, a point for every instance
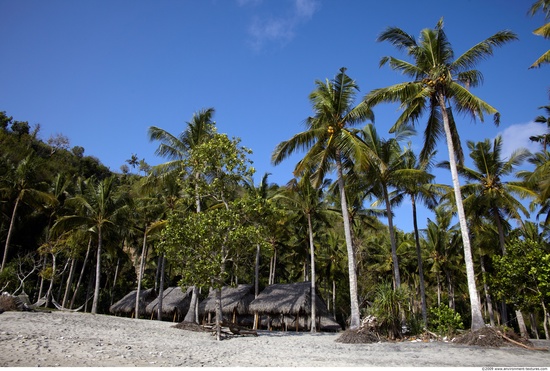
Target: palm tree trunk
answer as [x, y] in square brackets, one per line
[533, 322]
[420, 266]
[396, 275]
[521, 324]
[40, 289]
[140, 276]
[475, 307]
[486, 290]
[354, 302]
[97, 272]
[190, 316]
[114, 279]
[81, 273]
[256, 283]
[545, 322]
[313, 292]
[161, 287]
[50, 288]
[219, 314]
[69, 283]
[10, 231]
[500, 229]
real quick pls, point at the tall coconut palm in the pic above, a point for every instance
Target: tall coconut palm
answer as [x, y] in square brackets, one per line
[420, 189]
[385, 170]
[100, 207]
[440, 83]
[301, 196]
[329, 142]
[488, 194]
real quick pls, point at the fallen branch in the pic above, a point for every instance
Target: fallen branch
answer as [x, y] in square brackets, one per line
[520, 344]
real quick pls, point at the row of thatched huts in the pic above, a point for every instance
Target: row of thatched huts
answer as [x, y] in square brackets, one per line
[278, 306]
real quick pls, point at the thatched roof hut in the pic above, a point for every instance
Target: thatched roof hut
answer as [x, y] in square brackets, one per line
[127, 304]
[290, 304]
[235, 301]
[175, 303]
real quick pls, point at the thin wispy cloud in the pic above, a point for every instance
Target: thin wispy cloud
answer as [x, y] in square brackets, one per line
[278, 28]
[517, 136]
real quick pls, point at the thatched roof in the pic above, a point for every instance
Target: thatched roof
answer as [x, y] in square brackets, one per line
[128, 303]
[173, 300]
[292, 298]
[233, 299]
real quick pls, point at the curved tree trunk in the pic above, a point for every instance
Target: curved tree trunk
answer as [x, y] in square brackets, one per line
[355, 319]
[313, 292]
[50, 288]
[10, 231]
[81, 273]
[69, 283]
[475, 307]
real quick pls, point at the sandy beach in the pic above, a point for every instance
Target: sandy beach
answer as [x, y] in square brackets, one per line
[78, 339]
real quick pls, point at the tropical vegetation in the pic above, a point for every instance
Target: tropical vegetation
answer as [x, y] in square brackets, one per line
[80, 235]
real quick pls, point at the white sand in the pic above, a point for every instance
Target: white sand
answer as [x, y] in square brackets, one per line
[79, 339]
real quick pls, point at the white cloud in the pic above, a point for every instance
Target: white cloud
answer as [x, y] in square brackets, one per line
[280, 29]
[517, 136]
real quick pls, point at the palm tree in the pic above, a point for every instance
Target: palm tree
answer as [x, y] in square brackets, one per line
[385, 170]
[176, 149]
[329, 142]
[486, 190]
[22, 185]
[100, 208]
[544, 31]
[538, 180]
[301, 196]
[543, 139]
[420, 188]
[440, 82]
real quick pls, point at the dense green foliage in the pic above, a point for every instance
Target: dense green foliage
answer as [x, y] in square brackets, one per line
[72, 230]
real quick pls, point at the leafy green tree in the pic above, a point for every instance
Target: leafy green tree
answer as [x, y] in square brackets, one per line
[204, 243]
[330, 142]
[522, 276]
[439, 83]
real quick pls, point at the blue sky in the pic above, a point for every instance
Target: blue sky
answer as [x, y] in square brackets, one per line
[102, 72]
